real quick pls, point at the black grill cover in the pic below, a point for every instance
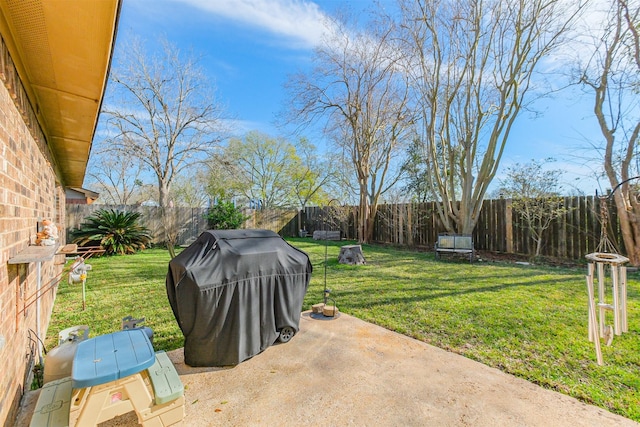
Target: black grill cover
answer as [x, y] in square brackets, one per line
[231, 291]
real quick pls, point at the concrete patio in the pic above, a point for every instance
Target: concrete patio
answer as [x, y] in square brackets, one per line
[349, 372]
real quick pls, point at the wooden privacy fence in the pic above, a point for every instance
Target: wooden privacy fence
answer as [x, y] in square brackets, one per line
[499, 228]
[282, 221]
[191, 221]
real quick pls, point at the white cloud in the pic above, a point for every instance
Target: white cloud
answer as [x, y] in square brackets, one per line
[298, 20]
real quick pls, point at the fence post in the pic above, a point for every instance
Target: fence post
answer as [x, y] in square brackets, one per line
[509, 225]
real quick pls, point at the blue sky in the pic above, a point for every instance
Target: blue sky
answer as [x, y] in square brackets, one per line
[249, 47]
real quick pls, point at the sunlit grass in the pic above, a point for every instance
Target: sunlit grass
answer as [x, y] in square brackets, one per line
[527, 321]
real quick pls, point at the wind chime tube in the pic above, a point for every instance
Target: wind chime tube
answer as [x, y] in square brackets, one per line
[623, 298]
[601, 289]
[593, 327]
[590, 271]
[616, 300]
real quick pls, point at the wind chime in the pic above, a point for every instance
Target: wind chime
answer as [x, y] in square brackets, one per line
[606, 259]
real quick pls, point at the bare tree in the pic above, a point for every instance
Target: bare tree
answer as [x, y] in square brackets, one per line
[162, 111]
[471, 65]
[343, 186]
[415, 181]
[357, 86]
[189, 188]
[536, 197]
[613, 75]
[116, 177]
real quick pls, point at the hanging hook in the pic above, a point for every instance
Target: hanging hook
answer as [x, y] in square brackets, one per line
[620, 184]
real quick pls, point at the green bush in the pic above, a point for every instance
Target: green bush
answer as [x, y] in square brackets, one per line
[117, 232]
[225, 216]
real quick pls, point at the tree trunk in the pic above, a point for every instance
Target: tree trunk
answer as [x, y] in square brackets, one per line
[168, 222]
[629, 227]
[363, 226]
[172, 250]
[371, 218]
[163, 194]
[538, 246]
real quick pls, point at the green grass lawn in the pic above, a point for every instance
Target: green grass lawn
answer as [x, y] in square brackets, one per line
[529, 321]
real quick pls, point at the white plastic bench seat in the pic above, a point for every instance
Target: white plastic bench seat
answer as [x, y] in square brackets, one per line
[168, 406]
[165, 381]
[54, 402]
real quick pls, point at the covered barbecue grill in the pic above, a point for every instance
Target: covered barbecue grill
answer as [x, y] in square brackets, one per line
[234, 292]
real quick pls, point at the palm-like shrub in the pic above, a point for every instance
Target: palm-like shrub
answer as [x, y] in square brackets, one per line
[117, 232]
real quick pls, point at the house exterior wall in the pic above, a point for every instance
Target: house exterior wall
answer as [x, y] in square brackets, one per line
[76, 198]
[30, 191]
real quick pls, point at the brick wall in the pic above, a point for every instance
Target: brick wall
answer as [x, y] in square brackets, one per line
[29, 192]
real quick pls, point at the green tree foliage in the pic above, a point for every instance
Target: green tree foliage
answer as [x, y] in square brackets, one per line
[117, 232]
[271, 170]
[310, 175]
[535, 194]
[224, 215]
[259, 166]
